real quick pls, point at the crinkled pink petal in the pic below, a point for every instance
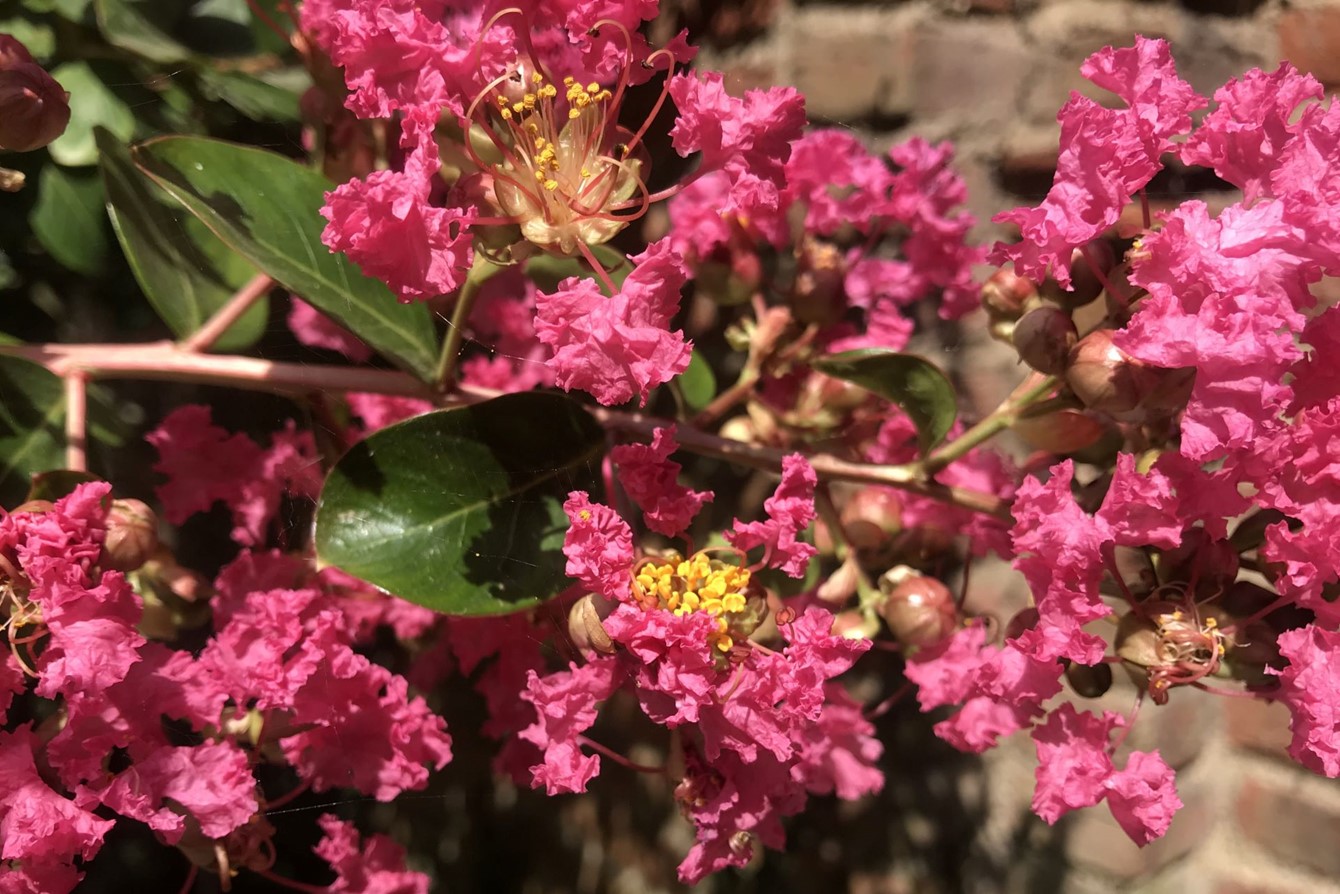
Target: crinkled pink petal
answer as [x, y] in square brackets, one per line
[565, 704]
[1310, 687]
[1141, 508]
[1073, 763]
[1242, 139]
[599, 547]
[790, 510]
[651, 479]
[375, 865]
[620, 346]
[1143, 797]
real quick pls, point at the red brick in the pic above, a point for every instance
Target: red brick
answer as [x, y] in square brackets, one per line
[1296, 821]
[970, 69]
[851, 64]
[1310, 39]
[1258, 725]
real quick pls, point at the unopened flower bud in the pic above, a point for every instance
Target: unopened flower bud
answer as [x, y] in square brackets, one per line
[1005, 294]
[1090, 681]
[34, 108]
[585, 628]
[132, 535]
[1043, 337]
[36, 507]
[1103, 376]
[841, 585]
[872, 516]
[1138, 641]
[1023, 621]
[13, 53]
[1058, 431]
[920, 611]
[1086, 282]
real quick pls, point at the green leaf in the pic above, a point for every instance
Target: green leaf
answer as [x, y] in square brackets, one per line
[92, 104]
[258, 98]
[267, 208]
[68, 218]
[32, 424]
[914, 384]
[698, 383]
[461, 510]
[131, 26]
[37, 36]
[185, 271]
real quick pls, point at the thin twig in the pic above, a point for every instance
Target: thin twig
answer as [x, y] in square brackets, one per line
[213, 329]
[76, 421]
[164, 361]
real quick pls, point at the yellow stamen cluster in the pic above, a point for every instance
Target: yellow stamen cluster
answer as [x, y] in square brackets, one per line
[581, 98]
[698, 584]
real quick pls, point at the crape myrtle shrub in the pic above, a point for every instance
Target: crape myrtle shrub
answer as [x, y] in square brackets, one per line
[678, 512]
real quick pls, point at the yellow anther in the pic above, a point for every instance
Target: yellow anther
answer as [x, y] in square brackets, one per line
[569, 81]
[573, 115]
[536, 77]
[593, 87]
[551, 185]
[506, 114]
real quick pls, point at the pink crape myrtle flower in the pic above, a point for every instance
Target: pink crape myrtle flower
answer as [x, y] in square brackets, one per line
[1060, 550]
[762, 728]
[651, 479]
[1075, 770]
[1107, 155]
[1310, 686]
[375, 865]
[790, 510]
[204, 464]
[620, 346]
[44, 831]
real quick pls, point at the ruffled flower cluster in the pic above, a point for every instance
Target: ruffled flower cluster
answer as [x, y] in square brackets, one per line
[137, 730]
[524, 103]
[1246, 450]
[758, 729]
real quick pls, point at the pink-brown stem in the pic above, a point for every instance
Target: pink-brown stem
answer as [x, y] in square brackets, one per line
[213, 329]
[76, 421]
[164, 361]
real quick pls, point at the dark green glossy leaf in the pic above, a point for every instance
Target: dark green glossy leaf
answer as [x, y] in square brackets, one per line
[68, 218]
[461, 510]
[267, 208]
[698, 383]
[261, 99]
[32, 424]
[914, 384]
[92, 104]
[185, 271]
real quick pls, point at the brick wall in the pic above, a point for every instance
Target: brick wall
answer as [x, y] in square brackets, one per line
[990, 75]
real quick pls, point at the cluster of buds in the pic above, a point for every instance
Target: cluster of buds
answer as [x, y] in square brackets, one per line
[34, 108]
[1103, 384]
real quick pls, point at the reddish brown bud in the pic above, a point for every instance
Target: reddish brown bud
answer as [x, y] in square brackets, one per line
[1059, 431]
[920, 611]
[35, 506]
[1104, 377]
[1086, 282]
[34, 108]
[1005, 294]
[872, 516]
[132, 535]
[1024, 621]
[13, 53]
[1044, 337]
[1090, 681]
